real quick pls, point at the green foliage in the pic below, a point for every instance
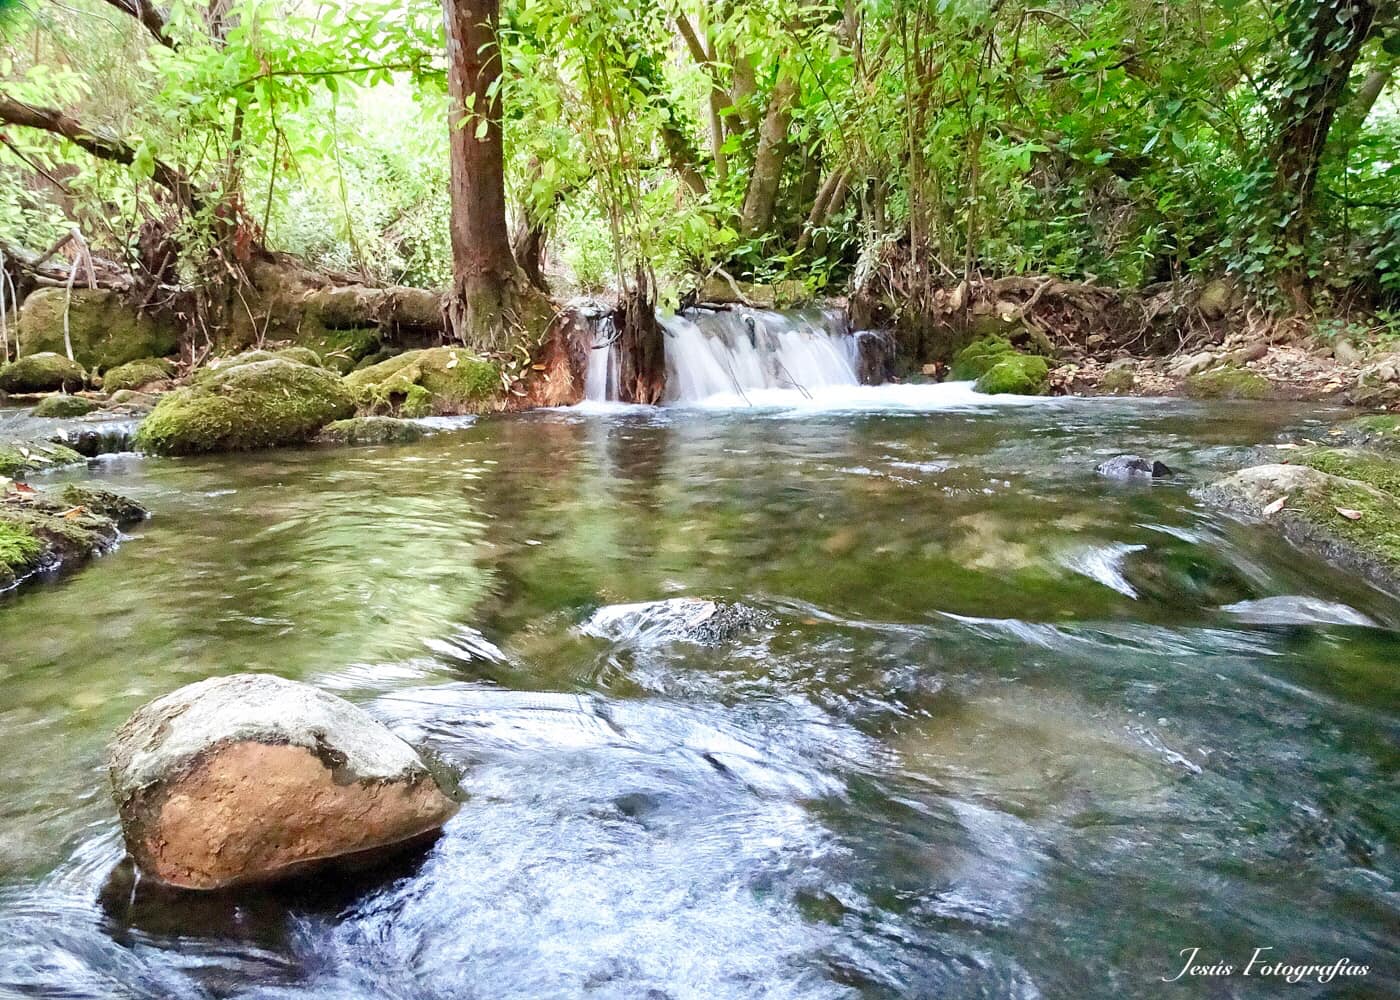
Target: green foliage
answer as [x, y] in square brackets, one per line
[1128, 141]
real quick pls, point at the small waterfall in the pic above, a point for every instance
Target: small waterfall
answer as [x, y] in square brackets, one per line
[737, 352]
[600, 383]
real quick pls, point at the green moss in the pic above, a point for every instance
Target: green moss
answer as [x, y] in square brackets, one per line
[135, 374]
[104, 502]
[1016, 374]
[1229, 382]
[370, 430]
[105, 330]
[20, 458]
[61, 407]
[19, 550]
[343, 350]
[1380, 431]
[297, 355]
[1375, 470]
[1117, 381]
[979, 357]
[46, 372]
[439, 380]
[259, 404]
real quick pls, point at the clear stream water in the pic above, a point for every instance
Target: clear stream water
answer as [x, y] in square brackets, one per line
[1020, 731]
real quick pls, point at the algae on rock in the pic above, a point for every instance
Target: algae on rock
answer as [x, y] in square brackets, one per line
[259, 404]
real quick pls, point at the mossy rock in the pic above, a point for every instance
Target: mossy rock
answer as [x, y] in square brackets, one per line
[1229, 382]
[979, 357]
[120, 509]
[1016, 374]
[44, 372]
[1380, 471]
[436, 381]
[1311, 514]
[105, 331]
[1117, 381]
[260, 404]
[135, 374]
[21, 458]
[343, 350]
[1380, 431]
[298, 355]
[62, 407]
[370, 430]
[40, 532]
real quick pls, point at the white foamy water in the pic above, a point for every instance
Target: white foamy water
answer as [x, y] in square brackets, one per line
[740, 352]
[761, 359]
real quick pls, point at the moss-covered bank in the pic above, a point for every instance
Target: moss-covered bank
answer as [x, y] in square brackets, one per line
[138, 374]
[43, 532]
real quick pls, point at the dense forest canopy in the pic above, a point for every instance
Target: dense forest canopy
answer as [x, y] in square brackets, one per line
[1124, 142]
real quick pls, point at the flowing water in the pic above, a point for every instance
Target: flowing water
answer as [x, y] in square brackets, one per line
[1019, 731]
[728, 357]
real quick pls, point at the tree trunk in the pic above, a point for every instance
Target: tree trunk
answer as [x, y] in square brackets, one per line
[761, 197]
[1326, 38]
[718, 98]
[484, 272]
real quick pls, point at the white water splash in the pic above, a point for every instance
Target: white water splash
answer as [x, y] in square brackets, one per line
[742, 351]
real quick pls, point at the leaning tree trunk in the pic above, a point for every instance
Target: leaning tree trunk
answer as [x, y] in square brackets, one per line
[761, 198]
[484, 274]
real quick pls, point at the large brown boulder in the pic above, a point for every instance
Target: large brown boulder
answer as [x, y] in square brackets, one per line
[252, 778]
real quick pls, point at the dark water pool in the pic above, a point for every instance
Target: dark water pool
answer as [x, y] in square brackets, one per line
[1020, 732]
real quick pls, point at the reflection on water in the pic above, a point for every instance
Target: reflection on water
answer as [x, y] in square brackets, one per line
[1019, 732]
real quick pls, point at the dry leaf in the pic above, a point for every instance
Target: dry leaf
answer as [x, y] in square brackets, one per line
[25, 452]
[1349, 514]
[74, 513]
[453, 362]
[1275, 507]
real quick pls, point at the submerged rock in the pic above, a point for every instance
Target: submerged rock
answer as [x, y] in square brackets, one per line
[260, 404]
[138, 374]
[1295, 610]
[43, 533]
[680, 619]
[370, 430]
[104, 329]
[438, 381]
[1351, 522]
[253, 778]
[46, 372]
[1132, 467]
[61, 407]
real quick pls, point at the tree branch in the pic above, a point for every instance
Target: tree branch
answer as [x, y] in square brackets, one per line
[150, 17]
[101, 145]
